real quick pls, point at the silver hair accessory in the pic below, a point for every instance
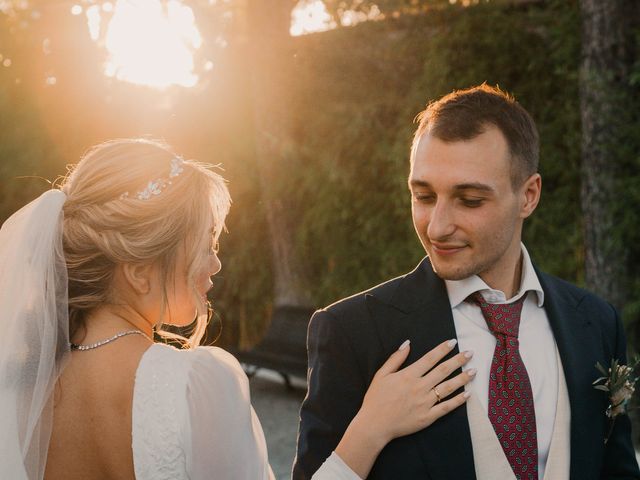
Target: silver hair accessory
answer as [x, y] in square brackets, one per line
[156, 186]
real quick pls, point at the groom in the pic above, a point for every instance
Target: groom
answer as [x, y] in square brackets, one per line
[533, 409]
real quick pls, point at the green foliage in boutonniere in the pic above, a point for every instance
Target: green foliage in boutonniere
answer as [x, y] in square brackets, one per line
[619, 383]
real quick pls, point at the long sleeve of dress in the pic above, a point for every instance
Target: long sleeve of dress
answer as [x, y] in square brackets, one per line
[335, 469]
[224, 438]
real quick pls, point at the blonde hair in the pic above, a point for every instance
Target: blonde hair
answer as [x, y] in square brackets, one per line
[106, 224]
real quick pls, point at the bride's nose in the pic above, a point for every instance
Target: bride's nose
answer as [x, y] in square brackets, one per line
[214, 265]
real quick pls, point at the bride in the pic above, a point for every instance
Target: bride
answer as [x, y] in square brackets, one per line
[89, 273]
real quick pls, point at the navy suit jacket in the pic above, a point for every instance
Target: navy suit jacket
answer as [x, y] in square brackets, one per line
[349, 340]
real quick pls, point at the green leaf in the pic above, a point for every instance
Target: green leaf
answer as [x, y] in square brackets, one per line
[602, 370]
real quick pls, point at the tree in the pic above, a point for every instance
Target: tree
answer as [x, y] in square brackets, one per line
[271, 50]
[605, 92]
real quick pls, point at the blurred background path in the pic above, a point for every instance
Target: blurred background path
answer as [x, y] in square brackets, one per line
[278, 410]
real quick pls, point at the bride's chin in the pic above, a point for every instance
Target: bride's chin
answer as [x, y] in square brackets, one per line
[203, 306]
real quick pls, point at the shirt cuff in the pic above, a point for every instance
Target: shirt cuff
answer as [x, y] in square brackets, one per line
[334, 468]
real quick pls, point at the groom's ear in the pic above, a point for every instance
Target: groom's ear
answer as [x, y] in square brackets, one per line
[530, 195]
[138, 277]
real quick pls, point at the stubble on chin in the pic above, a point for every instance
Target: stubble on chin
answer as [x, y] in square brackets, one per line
[459, 273]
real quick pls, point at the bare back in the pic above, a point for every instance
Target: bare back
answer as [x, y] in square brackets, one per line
[92, 413]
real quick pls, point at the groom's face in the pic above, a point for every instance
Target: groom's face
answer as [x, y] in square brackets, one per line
[465, 211]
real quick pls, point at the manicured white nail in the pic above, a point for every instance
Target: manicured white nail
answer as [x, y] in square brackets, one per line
[468, 353]
[452, 343]
[466, 394]
[404, 345]
[471, 372]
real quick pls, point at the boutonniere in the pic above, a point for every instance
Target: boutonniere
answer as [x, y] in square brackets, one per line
[619, 383]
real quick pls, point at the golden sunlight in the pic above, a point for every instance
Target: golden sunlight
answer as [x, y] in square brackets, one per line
[149, 42]
[310, 16]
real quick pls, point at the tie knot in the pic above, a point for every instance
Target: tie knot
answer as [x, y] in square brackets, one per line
[501, 318]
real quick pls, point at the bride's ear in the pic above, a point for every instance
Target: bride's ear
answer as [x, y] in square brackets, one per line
[138, 277]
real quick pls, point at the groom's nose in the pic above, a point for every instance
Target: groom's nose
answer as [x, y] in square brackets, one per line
[441, 221]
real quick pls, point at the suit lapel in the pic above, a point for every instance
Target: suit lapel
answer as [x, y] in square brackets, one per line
[575, 340]
[420, 311]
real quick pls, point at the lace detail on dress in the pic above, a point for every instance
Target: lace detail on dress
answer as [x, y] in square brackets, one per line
[158, 453]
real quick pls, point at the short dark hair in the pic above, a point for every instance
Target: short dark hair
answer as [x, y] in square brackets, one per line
[465, 114]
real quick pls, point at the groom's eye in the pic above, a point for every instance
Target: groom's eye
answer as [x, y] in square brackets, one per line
[423, 197]
[472, 202]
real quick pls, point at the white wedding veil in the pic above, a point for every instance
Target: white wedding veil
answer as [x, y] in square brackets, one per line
[34, 332]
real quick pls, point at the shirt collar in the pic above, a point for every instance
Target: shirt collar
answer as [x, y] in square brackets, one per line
[459, 290]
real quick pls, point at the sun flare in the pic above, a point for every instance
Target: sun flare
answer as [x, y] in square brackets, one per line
[149, 42]
[310, 16]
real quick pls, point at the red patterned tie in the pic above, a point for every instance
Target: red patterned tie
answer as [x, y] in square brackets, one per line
[511, 408]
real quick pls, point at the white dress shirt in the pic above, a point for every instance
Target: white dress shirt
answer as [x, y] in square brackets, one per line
[537, 345]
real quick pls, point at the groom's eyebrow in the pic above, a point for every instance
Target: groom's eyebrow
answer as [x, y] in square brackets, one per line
[482, 187]
[414, 182]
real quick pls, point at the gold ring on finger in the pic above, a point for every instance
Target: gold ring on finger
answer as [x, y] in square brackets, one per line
[438, 398]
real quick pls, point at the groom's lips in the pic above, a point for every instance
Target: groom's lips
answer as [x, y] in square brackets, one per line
[447, 250]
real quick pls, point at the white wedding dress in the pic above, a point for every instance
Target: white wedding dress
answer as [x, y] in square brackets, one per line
[192, 419]
[192, 415]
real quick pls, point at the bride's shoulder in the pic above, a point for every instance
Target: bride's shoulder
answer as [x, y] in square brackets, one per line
[199, 356]
[215, 366]
[203, 368]
[198, 369]
[215, 356]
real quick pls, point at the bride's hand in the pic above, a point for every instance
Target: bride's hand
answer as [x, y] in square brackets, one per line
[401, 402]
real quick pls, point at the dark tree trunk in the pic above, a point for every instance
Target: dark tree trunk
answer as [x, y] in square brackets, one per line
[270, 44]
[604, 86]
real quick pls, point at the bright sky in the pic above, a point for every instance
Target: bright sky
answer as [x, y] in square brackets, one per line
[149, 42]
[152, 42]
